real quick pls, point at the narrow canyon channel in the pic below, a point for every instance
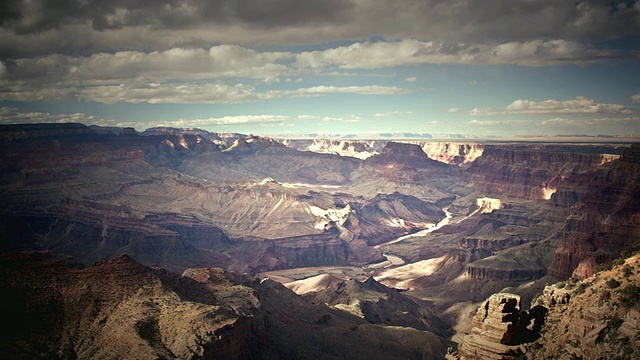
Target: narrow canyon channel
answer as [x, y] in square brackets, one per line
[356, 272]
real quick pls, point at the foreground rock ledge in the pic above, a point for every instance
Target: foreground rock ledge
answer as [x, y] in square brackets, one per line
[499, 330]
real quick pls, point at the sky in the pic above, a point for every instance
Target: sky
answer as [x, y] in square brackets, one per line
[483, 68]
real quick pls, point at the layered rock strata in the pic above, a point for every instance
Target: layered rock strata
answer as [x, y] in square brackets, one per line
[596, 318]
[603, 218]
[499, 329]
[529, 172]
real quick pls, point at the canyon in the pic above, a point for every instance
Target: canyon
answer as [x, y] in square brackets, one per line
[369, 237]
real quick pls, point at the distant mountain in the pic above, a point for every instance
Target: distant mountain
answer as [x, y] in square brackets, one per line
[381, 136]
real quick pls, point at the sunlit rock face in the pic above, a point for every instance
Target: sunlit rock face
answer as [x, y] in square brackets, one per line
[360, 149]
[487, 205]
[447, 152]
[499, 329]
[452, 153]
[386, 217]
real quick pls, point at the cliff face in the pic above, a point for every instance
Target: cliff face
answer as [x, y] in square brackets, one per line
[447, 152]
[529, 173]
[95, 196]
[360, 149]
[460, 154]
[603, 219]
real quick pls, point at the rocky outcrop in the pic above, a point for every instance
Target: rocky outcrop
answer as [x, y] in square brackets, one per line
[122, 309]
[90, 234]
[499, 329]
[460, 154]
[388, 216]
[299, 251]
[374, 302]
[596, 318]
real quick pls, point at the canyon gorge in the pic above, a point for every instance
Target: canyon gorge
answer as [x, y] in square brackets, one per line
[182, 243]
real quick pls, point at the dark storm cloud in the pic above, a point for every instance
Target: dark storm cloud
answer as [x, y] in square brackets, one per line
[83, 27]
[41, 15]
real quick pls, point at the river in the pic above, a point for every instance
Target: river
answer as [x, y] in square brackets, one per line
[393, 260]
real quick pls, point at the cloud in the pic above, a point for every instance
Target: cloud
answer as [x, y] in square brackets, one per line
[42, 15]
[265, 120]
[170, 93]
[219, 121]
[636, 98]
[453, 110]
[223, 61]
[411, 79]
[324, 90]
[579, 105]
[186, 93]
[177, 75]
[599, 122]
[495, 122]
[11, 115]
[373, 55]
[392, 113]
[27, 27]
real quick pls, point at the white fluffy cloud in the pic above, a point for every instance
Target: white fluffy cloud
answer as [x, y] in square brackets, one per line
[392, 113]
[223, 61]
[11, 115]
[636, 98]
[374, 55]
[602, 122]
[194, 93]
[219, 121]
[579, 105]
[323, 90]
[173, 76]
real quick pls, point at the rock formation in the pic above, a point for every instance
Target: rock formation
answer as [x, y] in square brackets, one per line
[447, 152]
[372, 301]
[530, 172]
[122, 309]
[499, 330]
[596, 318]
[603, 218]
[461, 154]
